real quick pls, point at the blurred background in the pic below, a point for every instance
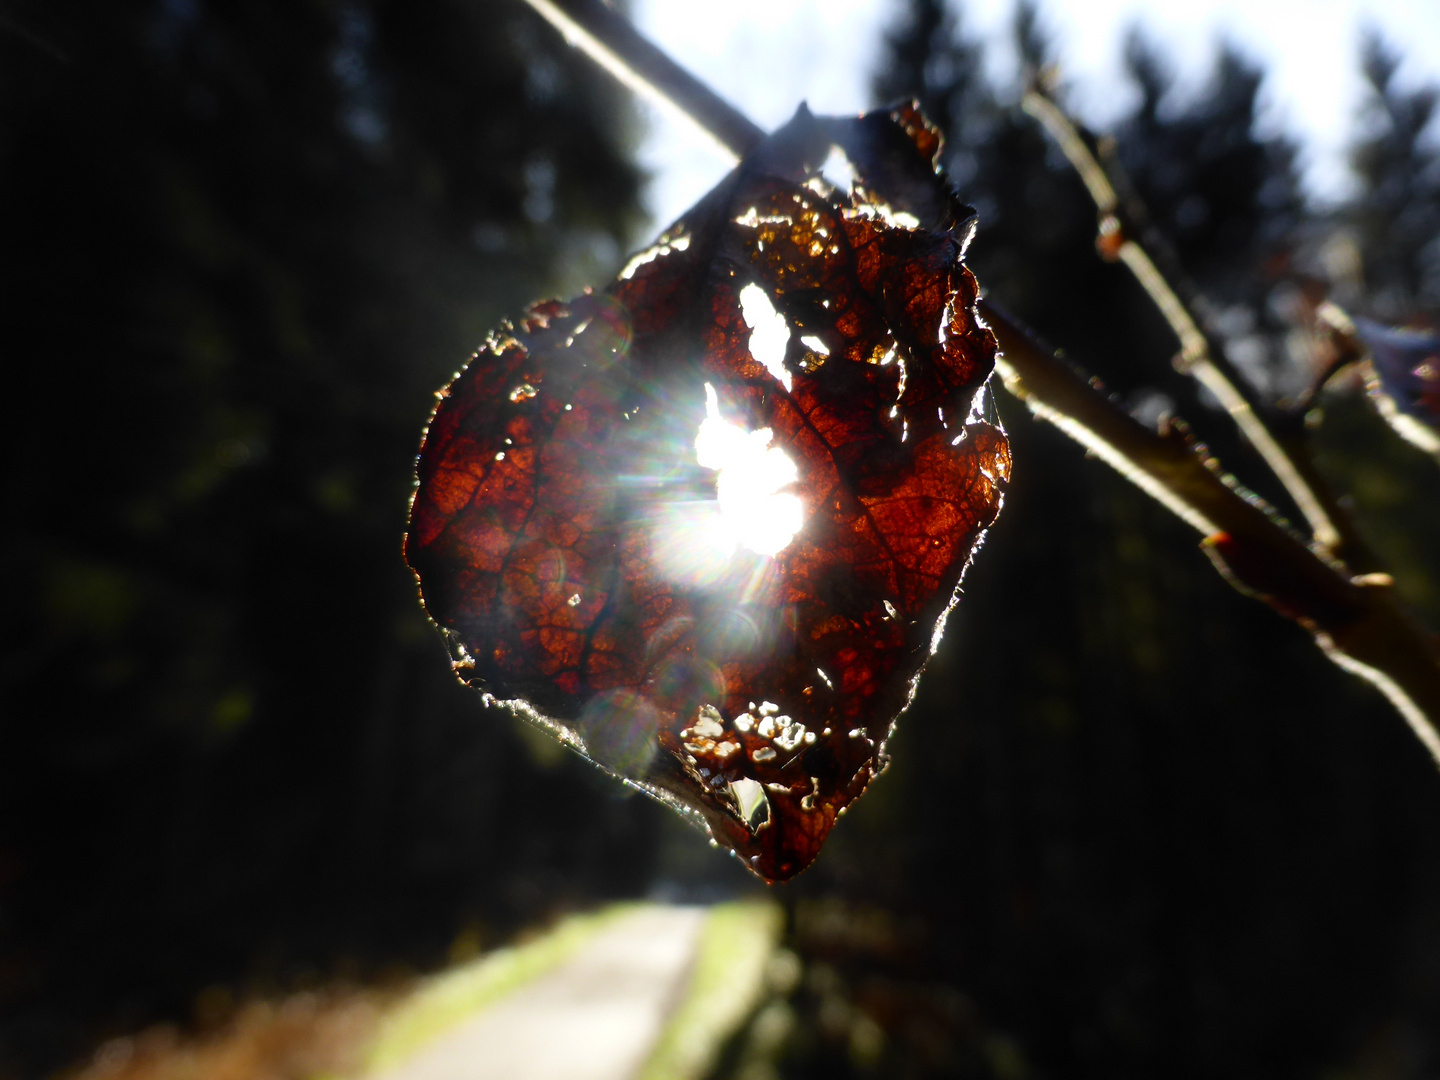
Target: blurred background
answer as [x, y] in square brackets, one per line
[1135, 824]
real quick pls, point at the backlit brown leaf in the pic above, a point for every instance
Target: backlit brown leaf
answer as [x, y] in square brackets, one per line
[705, 525]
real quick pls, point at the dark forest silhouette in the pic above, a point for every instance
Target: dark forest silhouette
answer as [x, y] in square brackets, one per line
[1135, 825]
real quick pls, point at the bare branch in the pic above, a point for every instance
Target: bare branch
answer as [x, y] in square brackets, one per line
[1355, 620]
[609, 39]
[1118, 237]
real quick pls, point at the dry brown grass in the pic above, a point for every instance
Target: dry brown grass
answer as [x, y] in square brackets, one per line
[302, 1037]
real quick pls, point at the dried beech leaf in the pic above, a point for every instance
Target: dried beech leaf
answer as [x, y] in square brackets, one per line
[705, 525]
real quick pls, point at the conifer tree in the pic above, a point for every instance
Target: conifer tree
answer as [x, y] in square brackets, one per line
[246, 243]
[1224, 198]
[928, 58]
[1397, 212]
[1094, 854]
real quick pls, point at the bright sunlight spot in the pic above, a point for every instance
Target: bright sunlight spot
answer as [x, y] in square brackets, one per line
[838, 171]
[753, 511]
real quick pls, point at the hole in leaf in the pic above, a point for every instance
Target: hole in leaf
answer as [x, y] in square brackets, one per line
[769, 336]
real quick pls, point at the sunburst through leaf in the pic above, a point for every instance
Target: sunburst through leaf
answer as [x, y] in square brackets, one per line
[705, 525]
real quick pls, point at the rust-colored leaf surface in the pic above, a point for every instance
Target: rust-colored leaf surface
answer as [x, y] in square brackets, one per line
[706, 525]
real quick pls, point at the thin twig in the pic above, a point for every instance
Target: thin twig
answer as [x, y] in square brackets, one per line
[612, 42]
[1197, 355]
[1355, 620]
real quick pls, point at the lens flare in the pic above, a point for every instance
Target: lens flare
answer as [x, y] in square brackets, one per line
[618, 730]
[754, 513]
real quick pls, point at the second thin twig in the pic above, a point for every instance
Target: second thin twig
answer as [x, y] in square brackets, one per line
[1197, 359]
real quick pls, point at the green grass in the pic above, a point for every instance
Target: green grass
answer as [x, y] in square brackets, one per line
[736, 943]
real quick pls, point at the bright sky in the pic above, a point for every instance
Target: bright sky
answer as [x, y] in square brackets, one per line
[765, 56]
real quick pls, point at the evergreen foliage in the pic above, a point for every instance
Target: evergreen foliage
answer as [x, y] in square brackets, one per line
[245, 243]
[1397, 213]
[1134, 826]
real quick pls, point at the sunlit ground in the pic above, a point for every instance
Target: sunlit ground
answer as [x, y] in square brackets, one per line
[634, 992]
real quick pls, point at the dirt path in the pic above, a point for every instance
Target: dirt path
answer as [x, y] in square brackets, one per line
[595, 1017]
